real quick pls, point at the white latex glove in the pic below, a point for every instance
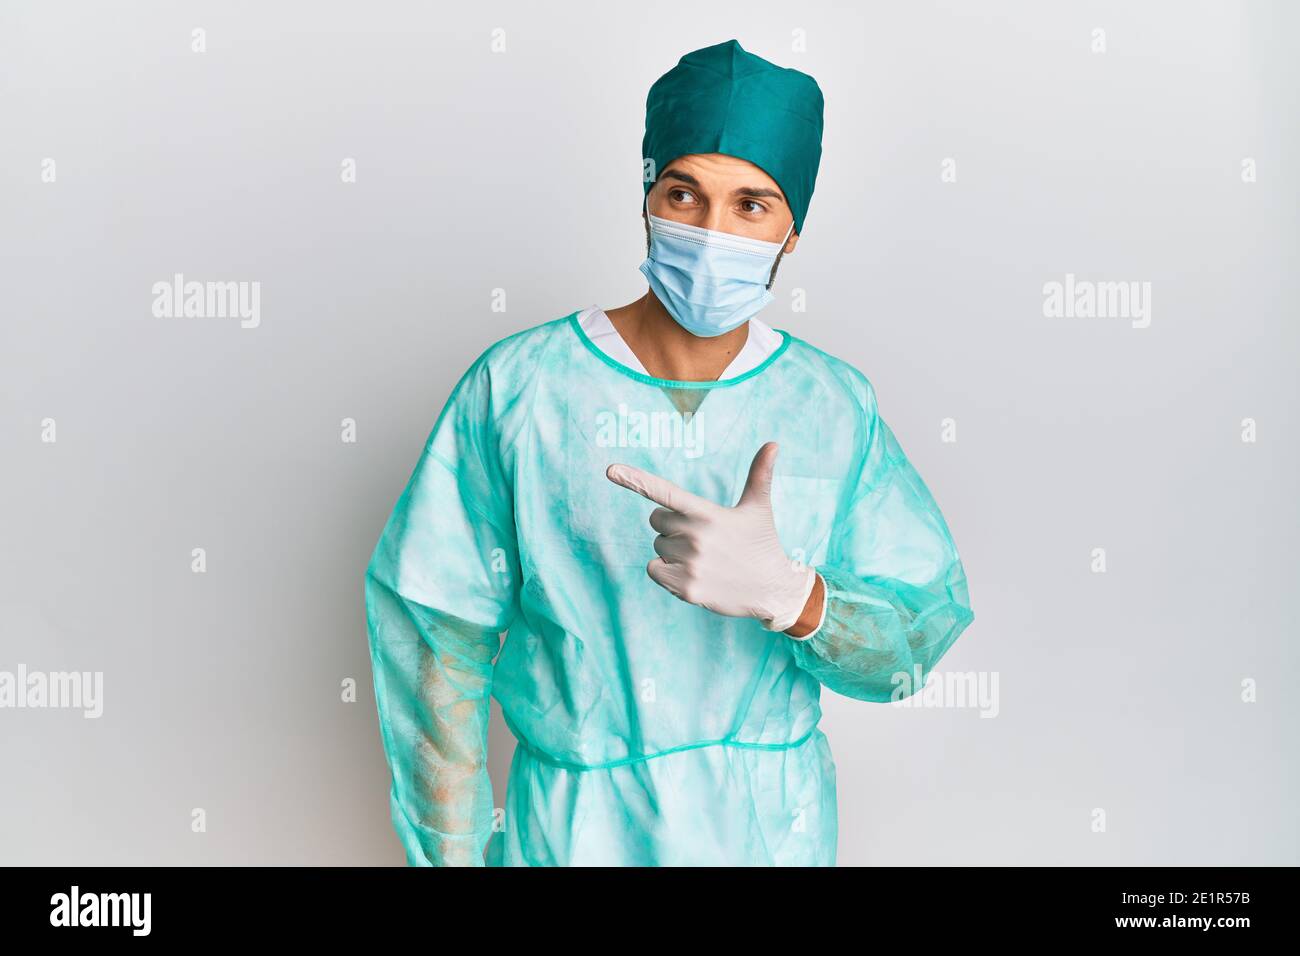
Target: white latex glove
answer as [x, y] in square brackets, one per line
[727, 560]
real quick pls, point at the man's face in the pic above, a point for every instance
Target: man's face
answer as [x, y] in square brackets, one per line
[725, 194]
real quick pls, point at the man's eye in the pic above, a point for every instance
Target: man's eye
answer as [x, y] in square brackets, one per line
[681, 195]
[752, 206]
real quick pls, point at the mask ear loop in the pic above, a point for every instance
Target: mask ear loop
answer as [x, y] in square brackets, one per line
[776, 262]
[645, 218]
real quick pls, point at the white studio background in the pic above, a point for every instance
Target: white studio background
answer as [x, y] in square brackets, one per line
[974, 153]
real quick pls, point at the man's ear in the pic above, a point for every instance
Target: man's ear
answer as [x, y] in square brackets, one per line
[790, 244]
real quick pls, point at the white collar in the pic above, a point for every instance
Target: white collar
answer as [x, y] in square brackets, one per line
[761, 342]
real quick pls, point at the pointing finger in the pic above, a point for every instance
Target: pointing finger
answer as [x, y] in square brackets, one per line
[659, 490]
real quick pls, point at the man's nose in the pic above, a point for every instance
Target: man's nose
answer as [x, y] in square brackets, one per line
[715, 219]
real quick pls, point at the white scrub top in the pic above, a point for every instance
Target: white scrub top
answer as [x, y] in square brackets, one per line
[761, 342]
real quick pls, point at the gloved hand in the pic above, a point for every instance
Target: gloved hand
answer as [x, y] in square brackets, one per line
[725, 559]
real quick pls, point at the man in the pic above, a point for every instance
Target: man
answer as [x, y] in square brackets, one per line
[686, 523]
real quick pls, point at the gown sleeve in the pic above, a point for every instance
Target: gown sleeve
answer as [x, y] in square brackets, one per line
[895, 589]
[440, 588]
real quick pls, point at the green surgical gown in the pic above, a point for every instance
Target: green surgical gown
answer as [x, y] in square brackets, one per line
[650, 731]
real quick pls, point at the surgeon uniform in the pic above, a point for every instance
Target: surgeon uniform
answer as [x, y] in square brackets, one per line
[651, 731]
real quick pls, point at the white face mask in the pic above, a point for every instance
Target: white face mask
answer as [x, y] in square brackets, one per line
[710, 282]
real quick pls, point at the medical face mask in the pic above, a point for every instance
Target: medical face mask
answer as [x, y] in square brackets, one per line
[710, 282]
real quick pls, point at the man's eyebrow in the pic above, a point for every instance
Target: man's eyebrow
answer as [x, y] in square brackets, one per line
[757, 192]
[684, 177]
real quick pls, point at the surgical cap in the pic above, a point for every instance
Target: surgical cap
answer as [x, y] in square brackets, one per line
[722, 99]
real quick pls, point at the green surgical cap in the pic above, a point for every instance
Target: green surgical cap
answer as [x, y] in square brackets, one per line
[722, 99]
